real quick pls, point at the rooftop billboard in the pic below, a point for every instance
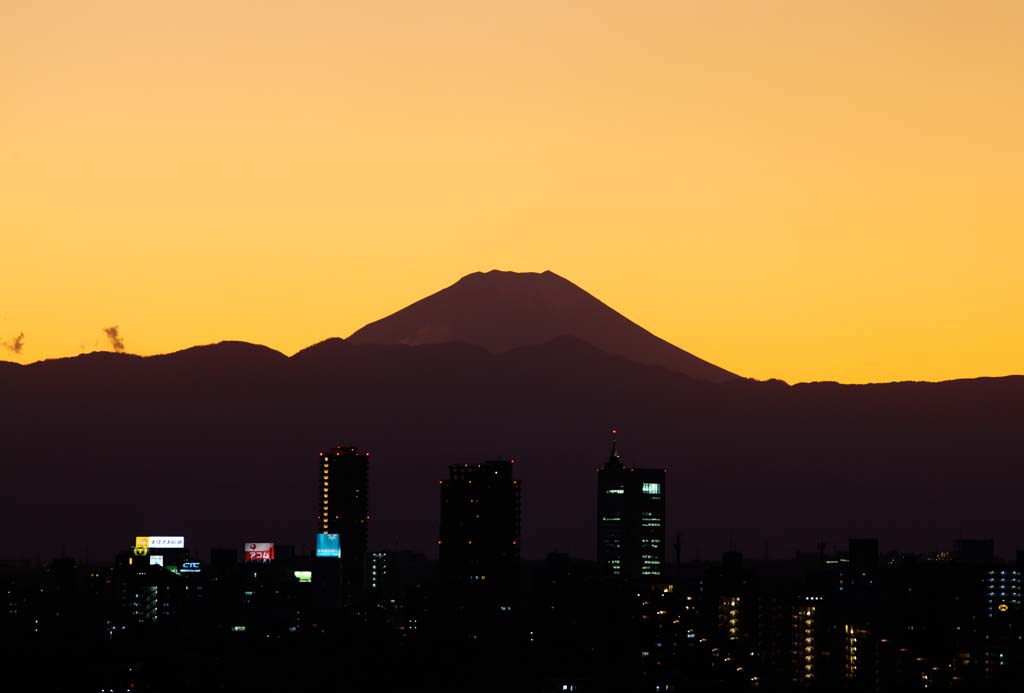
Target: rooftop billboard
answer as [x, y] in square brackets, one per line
[159, 542]
[259, 551]
[328, 546]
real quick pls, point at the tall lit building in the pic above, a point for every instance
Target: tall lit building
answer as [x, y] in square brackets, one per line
[378, 570]
[479, 544]
[630, 519]
[1000, 655]
[805, 648]
[344, 509]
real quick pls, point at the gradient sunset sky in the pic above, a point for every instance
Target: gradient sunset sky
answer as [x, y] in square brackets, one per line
[799, 189]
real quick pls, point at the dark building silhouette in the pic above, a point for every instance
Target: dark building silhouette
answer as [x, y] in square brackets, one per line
[344, 477]
[863, 555]
[978, 551]
[220, 557]
[479, 544]
[630, 519]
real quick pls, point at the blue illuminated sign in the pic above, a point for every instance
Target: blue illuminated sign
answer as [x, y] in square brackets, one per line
[328, 546]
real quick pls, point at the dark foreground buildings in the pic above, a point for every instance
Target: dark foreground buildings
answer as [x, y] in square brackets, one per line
[849, 620]
[161, 617]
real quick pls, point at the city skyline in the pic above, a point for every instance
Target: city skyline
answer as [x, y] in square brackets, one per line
[849, 619]
[629, 525]
[853, 619]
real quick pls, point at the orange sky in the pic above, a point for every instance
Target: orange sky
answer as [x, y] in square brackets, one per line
[795, 189]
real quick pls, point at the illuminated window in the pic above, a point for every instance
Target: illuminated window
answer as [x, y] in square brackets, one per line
[651, 487]
[615, 491]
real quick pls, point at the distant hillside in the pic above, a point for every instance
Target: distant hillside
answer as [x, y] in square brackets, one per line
[220, 443]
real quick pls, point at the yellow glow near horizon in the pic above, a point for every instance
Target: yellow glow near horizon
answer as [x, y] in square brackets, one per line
[798, 189]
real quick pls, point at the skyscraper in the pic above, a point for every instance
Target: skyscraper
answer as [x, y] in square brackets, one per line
[630, 519]
[479, 544]
[344, 477]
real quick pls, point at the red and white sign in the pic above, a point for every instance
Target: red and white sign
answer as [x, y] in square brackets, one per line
[257, 551]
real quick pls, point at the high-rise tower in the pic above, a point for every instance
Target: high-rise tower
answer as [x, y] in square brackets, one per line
[630, 519]
[344, 478]
[479, 544]
[611, 513]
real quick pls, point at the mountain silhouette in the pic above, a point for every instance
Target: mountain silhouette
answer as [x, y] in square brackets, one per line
[220, 443]
[504, 310]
